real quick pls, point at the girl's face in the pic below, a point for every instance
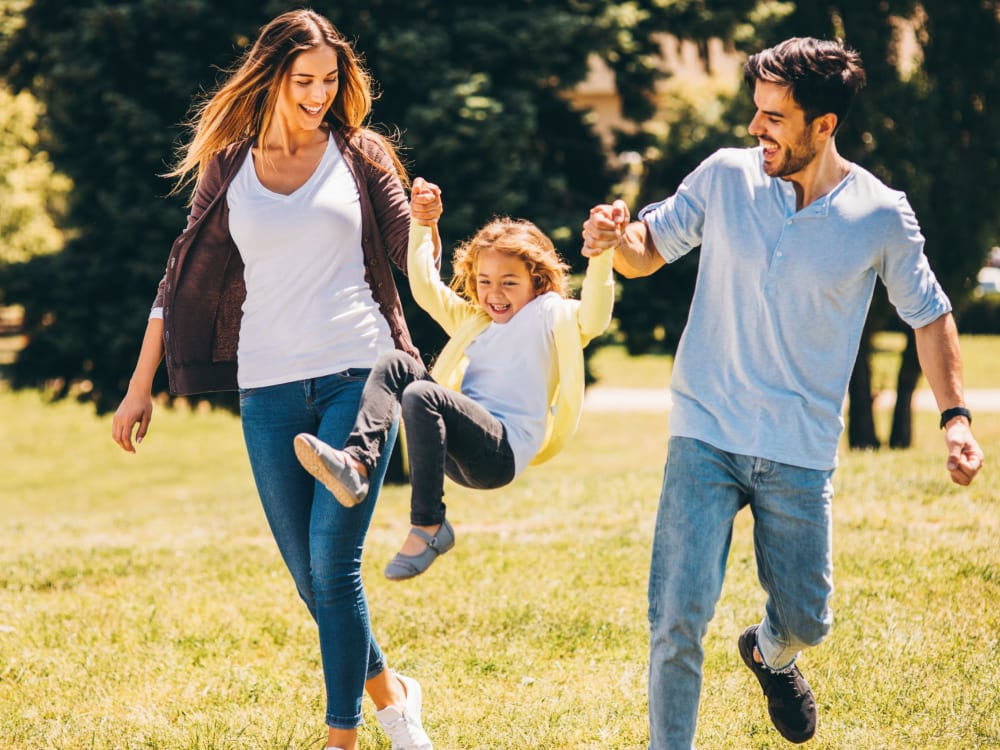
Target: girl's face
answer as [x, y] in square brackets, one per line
[503, 284]
[309, 89]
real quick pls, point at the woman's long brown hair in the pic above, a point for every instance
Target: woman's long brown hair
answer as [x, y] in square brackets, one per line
[243, 106]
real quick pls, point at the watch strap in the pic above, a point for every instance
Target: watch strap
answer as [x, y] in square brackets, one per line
[956, 411]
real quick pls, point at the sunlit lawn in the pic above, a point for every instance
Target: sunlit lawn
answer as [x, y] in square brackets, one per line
[143, 605]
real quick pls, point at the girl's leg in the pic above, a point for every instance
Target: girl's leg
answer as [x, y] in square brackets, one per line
[379, 406]
[449, 432]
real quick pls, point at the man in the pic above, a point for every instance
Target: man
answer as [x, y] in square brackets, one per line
[792, 239]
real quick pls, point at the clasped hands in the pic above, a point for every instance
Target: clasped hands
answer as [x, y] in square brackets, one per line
[605, 228]
[426, 206]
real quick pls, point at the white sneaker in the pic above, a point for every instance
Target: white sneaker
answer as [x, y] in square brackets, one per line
[403, 726]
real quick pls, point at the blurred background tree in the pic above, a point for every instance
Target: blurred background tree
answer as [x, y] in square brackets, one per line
[478, 93]
[475, 89]
[31, 194]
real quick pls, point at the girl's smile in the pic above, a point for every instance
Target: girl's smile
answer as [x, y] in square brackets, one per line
[503, 284]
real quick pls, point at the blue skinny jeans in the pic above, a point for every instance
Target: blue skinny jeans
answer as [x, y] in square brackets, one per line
[320, 540]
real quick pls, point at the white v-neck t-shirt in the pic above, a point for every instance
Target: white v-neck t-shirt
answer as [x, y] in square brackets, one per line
[308, 311]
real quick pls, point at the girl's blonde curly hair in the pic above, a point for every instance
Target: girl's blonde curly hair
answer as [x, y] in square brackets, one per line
[518, 238]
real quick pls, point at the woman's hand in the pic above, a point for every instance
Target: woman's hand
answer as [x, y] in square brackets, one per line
[425, 202]
[135, 409]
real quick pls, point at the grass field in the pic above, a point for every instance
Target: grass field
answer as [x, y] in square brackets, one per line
[143, 605]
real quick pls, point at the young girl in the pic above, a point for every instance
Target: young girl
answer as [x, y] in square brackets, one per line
[505, 391]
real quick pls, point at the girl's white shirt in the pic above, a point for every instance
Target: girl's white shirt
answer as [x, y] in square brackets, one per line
[511, 373]
[308, 311]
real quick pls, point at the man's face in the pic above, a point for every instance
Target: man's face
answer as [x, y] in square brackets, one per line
[789, 143]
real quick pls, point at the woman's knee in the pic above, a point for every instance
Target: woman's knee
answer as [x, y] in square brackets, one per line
[336, 579]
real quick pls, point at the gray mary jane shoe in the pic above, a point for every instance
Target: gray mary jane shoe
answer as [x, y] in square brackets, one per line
[403, 566]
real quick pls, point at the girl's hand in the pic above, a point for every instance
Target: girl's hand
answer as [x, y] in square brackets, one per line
[425, 202]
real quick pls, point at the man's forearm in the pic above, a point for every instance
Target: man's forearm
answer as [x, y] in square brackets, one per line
[636, 255]
[941, 361]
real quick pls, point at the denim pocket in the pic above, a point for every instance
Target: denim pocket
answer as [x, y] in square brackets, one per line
[353, 374]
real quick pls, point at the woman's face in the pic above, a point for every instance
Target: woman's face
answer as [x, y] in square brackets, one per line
[309, 89]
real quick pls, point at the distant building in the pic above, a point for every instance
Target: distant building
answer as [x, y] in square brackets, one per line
[685, 65]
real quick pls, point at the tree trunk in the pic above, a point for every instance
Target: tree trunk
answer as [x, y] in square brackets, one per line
[861, 433]
[906, 383]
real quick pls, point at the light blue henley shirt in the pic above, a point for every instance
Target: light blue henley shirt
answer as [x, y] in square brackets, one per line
[781, 298]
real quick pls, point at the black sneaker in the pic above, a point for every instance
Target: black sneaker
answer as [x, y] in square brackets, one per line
[790, 700]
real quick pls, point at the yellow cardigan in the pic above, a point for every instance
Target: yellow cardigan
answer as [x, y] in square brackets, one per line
[576, 323]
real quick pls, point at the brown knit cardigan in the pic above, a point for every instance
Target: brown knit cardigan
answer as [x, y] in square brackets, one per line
[202, 290]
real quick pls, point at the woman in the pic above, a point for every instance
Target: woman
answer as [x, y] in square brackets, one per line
[280, 286]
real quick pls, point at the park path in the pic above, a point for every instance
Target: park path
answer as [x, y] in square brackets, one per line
[606, 398]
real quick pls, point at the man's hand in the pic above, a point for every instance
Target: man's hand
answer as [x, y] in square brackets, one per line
[605, 227]
[965, 457]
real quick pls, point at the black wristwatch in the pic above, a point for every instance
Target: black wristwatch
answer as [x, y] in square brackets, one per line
[956, 411]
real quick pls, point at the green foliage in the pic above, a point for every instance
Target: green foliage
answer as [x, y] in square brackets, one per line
[474, 89]
[115, 79]
[30, 194]
[981, 315]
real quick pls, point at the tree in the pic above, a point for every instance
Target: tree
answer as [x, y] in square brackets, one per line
[30, 194]
[115, 79]
[474, 89]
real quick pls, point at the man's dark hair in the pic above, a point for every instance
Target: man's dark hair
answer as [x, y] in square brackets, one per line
[823, 76]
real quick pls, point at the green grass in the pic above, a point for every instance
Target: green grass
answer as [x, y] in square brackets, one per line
[143, 605]
[979, 360]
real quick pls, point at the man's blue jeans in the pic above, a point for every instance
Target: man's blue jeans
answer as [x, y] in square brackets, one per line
[703, 489]
[320, 540]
